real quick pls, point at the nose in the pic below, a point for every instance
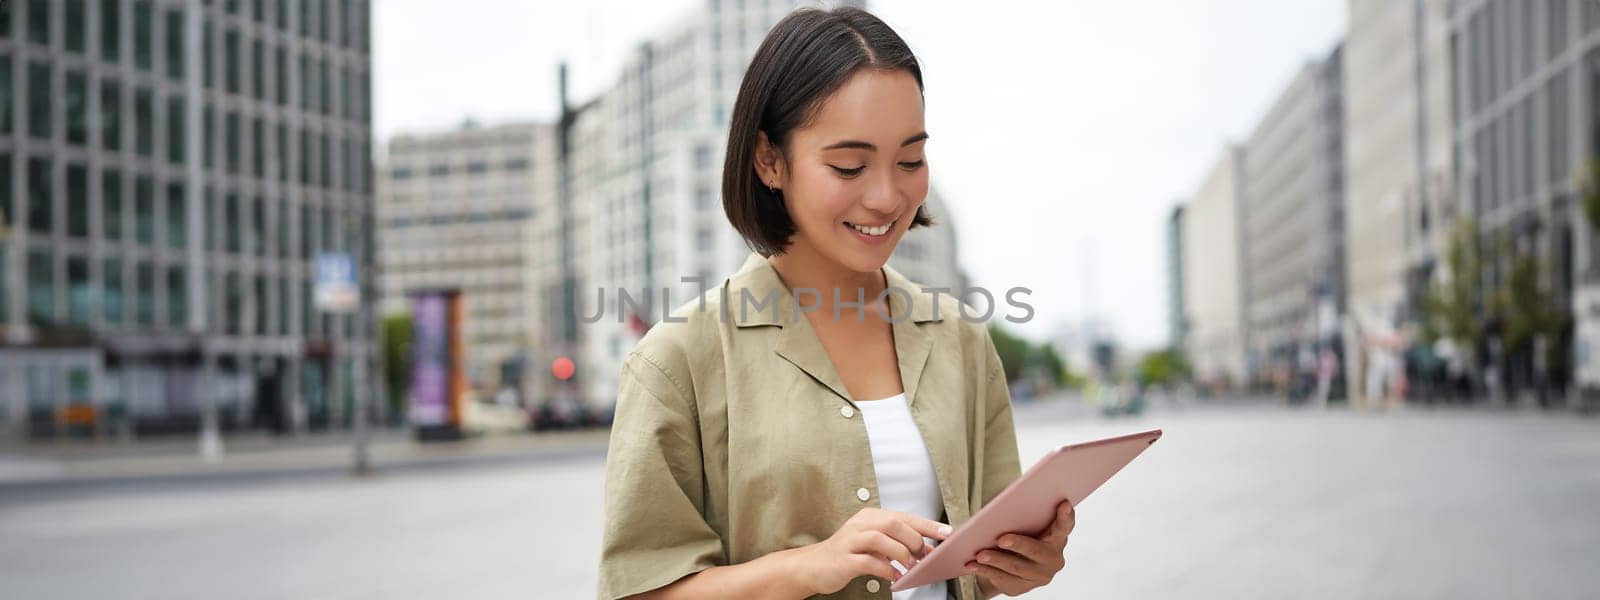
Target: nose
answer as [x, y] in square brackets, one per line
[881, 196]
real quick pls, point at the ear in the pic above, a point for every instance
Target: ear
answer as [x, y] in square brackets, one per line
[769, 162]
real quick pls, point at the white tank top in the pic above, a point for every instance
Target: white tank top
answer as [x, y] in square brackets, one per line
[906, 479]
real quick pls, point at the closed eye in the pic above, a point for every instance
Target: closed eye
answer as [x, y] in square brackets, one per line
[848, 173]
[912, 165]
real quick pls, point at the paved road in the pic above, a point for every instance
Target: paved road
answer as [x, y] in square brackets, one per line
[1236, 502]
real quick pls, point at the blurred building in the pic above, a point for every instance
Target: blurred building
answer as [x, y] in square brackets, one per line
[1214, 274]
[168, 171]
[646, 197]
[1399, 200]
[1527, 119]
[1293, 214]
[474, 210]
[1177, 324]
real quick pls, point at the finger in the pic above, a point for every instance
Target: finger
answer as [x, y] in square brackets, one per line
[1002, 581]
[1032, 548]
[879, 543]
[1066, 520]
[867, 564]
[927, 527]
[1012, 563]
[901, 530]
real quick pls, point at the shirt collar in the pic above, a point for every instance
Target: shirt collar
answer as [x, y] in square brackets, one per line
[798, 343]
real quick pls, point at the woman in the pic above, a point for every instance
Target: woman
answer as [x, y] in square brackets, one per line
[804, 428]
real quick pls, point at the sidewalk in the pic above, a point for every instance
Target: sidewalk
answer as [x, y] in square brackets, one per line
[250, 455]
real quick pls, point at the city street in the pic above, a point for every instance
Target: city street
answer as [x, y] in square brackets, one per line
[1243, 501]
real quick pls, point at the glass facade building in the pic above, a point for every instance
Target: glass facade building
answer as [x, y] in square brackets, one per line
[169, 169]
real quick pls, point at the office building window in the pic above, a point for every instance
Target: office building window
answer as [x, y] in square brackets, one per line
[5, 204]
[5, 94]
[111, 205]
[144, 210]
[175, 133]
[252, 229]
[282, 80]
[233, 296]
[283, 228]
[208, 134]
[283, 153]
[39, 100]
[307, 83]
[177, 298]
[260, 325]
[40, 219]
[175, 43]
[110, 115]
[39, 22]
[78, 201]
[258, 148]
[80, 295]
[144, 119]
[177, 217]
[230, 223]
[304, 227]
[1594, 88]
[144, 294]
[258, 74]
[111, 296]
[41, 288]
[77, 108]
[207, 52]
[230, 142]
[143, 31]
[110, 30]
[230, 61]
[76, 26]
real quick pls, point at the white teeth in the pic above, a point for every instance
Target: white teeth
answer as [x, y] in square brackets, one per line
[872, 231]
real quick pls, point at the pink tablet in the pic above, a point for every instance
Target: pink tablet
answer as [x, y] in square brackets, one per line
[1028, 505]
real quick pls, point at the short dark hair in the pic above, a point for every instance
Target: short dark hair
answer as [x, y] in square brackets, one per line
[805, 58]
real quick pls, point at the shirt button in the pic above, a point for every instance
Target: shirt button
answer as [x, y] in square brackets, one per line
[863, 494]
[847, 412]
[872, 585]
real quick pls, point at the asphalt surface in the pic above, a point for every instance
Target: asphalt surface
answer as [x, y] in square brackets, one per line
[1238, 501]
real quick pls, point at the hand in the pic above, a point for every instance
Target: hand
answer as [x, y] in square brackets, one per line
[864, 545]
[1022, 563]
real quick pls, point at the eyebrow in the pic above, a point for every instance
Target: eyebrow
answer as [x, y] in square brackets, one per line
[860, 145]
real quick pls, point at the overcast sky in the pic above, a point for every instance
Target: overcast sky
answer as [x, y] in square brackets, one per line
[1062, 132]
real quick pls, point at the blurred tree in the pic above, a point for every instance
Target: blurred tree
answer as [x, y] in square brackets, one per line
[1021, 359]
[1013, 351]
[1589, 184]
[1454, 306]
[1163, 367]
[397, 358]
[1530, 312]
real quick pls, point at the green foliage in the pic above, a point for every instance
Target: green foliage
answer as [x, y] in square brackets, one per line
[1163, 367]
[1453, 308]
[1589, 184]
[1021, 359]
[397, 354]
[1527, 308]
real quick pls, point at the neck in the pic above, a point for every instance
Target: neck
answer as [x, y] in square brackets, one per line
[802, 267]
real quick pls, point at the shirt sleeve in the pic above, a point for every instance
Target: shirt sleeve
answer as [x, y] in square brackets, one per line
[655, 529]
[1001, 465]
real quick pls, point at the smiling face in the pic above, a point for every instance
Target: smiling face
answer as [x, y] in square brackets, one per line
[853, 178]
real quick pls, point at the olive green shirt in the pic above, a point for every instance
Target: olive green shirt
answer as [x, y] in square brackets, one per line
[735, 438]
